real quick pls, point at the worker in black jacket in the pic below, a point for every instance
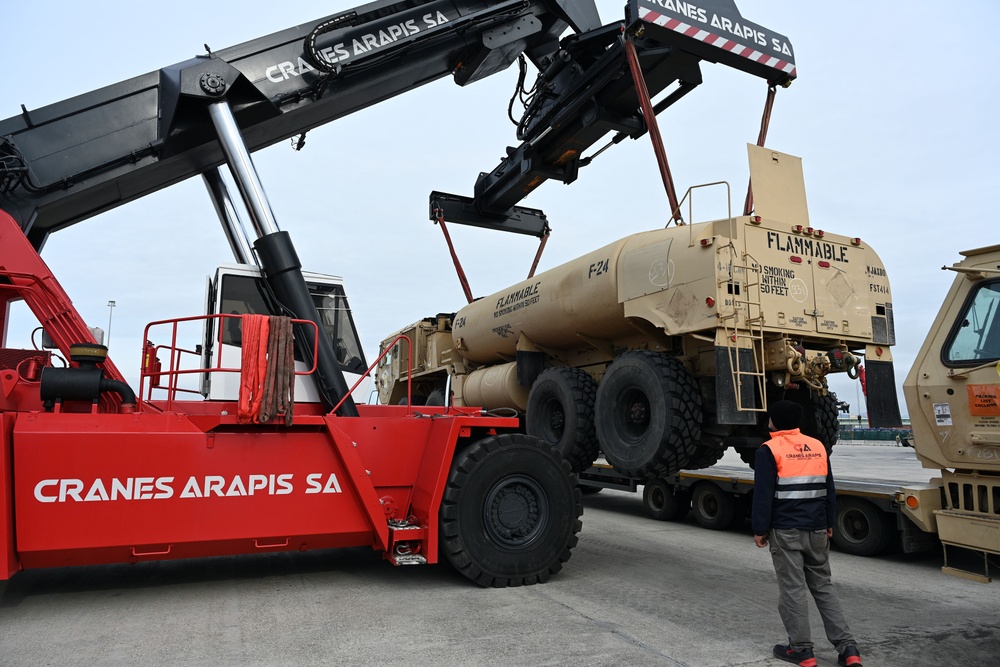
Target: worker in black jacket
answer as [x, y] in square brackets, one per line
[794, 508]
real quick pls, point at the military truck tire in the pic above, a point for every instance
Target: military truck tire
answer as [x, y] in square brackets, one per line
[705, 456]
[862, 528]
[561, 412]
[436, 397]
[663, 502]
[712, 507]
[416, 399]
[510, 512]
[826, 424]
[648, 414]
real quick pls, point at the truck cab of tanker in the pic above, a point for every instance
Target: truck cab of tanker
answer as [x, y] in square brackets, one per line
[953, 396]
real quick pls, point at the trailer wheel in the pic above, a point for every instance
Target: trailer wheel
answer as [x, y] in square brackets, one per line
[862, 528]
[511, 511]
[561, 412]
[648, 414]
[663, 502]
[713, 508]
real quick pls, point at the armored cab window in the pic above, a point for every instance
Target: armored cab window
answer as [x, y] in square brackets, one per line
[975, 335]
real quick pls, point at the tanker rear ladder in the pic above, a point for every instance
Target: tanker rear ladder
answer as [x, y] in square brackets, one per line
[746, 310]
[747, 328]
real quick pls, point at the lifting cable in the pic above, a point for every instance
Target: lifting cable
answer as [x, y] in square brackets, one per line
[765, 121]
[538, 255]
[649, 115]
[439, 219]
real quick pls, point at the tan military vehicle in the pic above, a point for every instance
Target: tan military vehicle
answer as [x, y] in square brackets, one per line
[953, 396]
[665, 347]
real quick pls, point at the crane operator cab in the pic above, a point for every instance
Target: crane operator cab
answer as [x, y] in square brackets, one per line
[238, 289]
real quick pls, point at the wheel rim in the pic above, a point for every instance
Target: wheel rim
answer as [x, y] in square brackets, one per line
[854, 525]
[634, 414]
[709, 506]
[657, 499]
[515, 513]
[554, 424]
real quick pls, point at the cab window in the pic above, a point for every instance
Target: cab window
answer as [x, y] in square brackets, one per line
[975, 336]
[244, 294]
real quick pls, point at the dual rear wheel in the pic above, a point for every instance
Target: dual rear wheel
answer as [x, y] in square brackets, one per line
[645, 416]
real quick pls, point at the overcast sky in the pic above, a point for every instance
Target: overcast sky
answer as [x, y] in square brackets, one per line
[893, 113]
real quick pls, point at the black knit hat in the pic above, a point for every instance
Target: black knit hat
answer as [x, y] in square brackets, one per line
[785, 415]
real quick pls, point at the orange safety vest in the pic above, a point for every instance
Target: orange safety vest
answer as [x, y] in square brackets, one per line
[802, 466]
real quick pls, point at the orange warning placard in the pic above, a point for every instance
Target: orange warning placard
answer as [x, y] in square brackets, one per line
[984, 400]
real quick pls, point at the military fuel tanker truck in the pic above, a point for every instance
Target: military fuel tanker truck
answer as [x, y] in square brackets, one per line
[665, 347]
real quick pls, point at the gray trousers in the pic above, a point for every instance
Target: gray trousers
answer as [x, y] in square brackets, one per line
[802, 563]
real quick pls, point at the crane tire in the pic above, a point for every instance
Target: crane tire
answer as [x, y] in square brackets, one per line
[560, 411]
[664, 502]
[510, 512]
[713, 508]
[862, 529]
[648, 414]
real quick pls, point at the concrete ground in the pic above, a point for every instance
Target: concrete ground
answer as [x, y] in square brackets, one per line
[636, 592]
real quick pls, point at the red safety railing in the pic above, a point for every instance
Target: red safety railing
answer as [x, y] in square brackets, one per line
[386, 351]
[172, 372]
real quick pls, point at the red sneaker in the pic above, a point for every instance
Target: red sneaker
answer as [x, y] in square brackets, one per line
[851, 657]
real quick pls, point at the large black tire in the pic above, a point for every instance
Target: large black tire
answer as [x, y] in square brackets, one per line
[705, 456]
[436, 397]
[561, 412]
[862, 528]
[648, 414]
[712, 507]
[665, 502]
[511, 511]
[826, 422]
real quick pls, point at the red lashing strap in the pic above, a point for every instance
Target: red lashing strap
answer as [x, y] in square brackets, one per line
[254, 364]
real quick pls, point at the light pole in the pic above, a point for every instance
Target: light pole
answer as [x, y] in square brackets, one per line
[111, 312]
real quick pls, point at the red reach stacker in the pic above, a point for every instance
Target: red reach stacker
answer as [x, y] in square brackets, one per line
[249, 439]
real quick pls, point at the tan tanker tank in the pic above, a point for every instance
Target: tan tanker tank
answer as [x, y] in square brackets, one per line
[665, 346]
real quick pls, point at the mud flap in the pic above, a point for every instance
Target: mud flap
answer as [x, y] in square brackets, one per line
[727, 407]
[880, 395]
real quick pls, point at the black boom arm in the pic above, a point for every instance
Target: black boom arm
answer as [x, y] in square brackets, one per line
[68, 161]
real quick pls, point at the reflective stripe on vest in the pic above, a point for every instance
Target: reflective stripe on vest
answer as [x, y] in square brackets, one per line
[802, 466]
